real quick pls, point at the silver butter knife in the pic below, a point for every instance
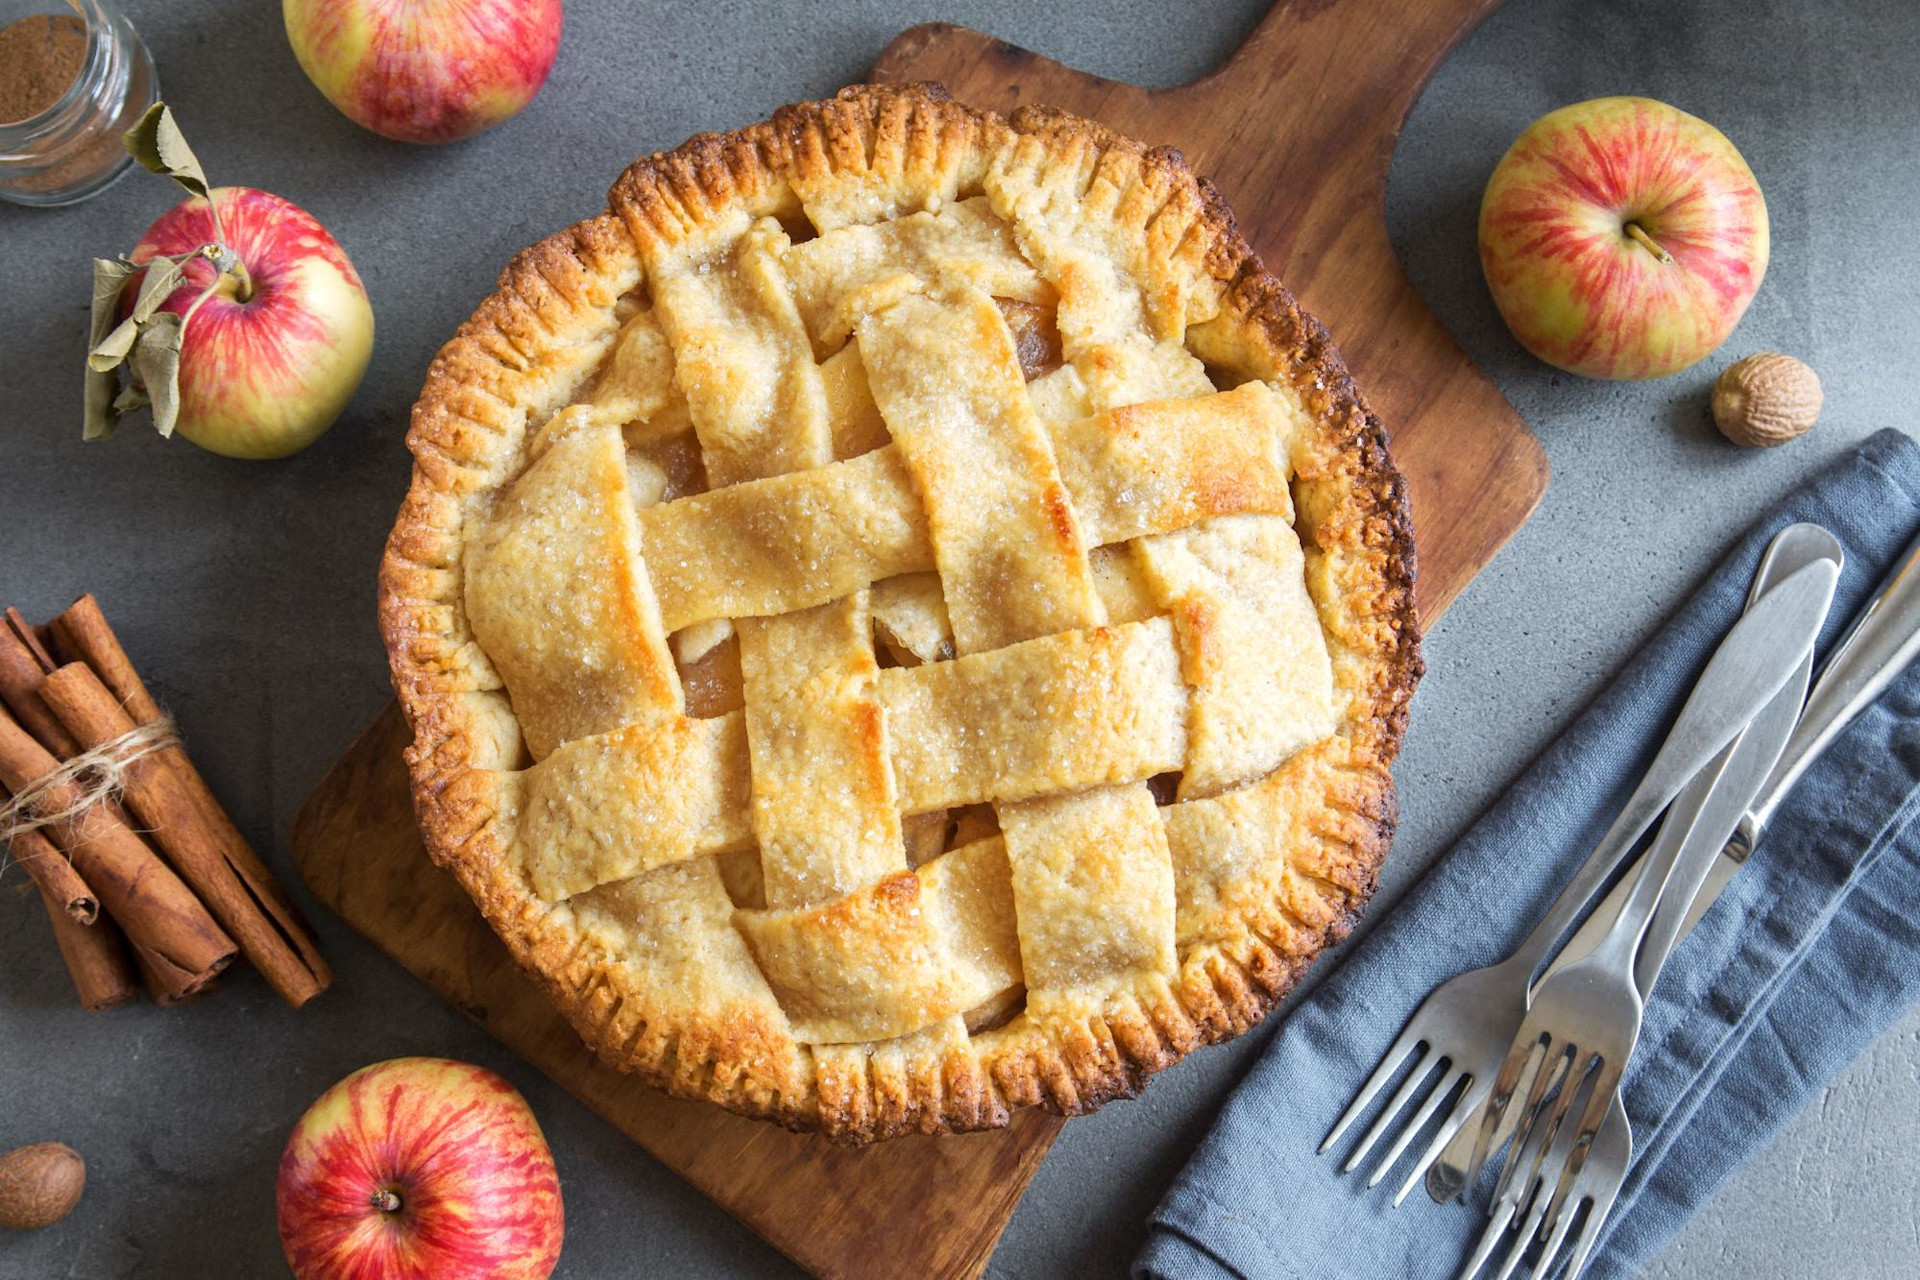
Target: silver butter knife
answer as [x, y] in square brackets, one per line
[1883, 639]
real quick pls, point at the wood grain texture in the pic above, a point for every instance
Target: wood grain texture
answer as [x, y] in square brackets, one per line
[911, 1207]
[1297, 130]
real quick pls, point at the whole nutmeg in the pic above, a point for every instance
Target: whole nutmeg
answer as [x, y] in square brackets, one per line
[1766, 399]
[40, 1184]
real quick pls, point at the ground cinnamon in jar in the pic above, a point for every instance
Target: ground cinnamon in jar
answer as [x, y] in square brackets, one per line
[40, 57]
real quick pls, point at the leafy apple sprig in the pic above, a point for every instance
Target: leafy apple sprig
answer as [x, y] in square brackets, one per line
[148, 339]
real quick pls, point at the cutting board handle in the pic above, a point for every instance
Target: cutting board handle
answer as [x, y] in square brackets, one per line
[1330, 71]
[1380, 56]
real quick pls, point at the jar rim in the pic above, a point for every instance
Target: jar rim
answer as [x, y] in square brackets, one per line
[86, 82]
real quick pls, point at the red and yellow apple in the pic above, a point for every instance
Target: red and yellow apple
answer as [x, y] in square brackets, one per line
[274, 353]
[425, 70]
[420, 1169]
[1622, 238]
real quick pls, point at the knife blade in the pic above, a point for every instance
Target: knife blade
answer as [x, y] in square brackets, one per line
[1881, 642]
[1792, 549]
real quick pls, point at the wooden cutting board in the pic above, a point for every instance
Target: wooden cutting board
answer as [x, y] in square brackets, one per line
[1297, 130]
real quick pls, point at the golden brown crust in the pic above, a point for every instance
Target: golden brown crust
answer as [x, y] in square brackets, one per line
[529, 345]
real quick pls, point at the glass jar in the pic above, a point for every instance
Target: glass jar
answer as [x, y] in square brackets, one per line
[71, 149]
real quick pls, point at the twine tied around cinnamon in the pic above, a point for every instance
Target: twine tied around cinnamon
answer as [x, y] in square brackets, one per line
[97, 777]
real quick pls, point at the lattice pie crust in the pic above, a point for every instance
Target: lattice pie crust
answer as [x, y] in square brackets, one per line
[902, 618]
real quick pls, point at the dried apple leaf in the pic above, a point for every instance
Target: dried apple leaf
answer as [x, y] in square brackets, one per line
[157, 143]
[108, 354]
[156, 359]
[110, 276]
[164, 275]
[103, 406]
[100, 405]
[148, 337]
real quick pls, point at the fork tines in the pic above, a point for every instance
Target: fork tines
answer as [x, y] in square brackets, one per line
[1415, 1053]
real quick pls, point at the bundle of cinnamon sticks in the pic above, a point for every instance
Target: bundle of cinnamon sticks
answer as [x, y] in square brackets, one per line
[154, 878]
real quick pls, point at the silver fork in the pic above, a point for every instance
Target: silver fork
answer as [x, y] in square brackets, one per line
[1593, 1179]
[1464, 1026]
[1606, 1149]
[1568, 1056]
[1596, 1186]
[1584, 1018]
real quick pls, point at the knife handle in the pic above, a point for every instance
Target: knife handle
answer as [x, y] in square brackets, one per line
[1883, 640]
[1751, 662]
[1791, 549]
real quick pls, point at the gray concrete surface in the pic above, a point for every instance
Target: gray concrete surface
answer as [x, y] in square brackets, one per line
[246, 590]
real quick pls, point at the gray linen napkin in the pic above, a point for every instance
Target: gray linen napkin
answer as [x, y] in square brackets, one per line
[1811, 953]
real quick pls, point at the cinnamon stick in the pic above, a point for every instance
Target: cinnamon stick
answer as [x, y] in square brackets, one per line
[37, 636]
[20, 675]
[59, 882]
[82, 634]
[50, 868]
[151, 904]
[164, 985]
[96, 957]
[94, 950]
[165, 806]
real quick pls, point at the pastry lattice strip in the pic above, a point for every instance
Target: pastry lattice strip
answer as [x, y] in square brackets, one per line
[829, 750]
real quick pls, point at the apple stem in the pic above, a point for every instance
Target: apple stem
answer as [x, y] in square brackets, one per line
[1647, 242]
[243, 280]
[386, 1200]
[227, 261]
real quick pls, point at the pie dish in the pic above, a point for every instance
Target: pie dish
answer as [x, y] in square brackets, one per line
[902, 618]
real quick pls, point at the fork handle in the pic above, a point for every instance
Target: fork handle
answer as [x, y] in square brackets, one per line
[1685, 842]
[1754, 659]
[1754, 758]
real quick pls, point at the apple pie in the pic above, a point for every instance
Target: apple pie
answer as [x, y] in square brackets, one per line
[902, 618]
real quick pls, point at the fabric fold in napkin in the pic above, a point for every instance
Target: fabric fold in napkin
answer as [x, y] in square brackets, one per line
[1811, 953]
